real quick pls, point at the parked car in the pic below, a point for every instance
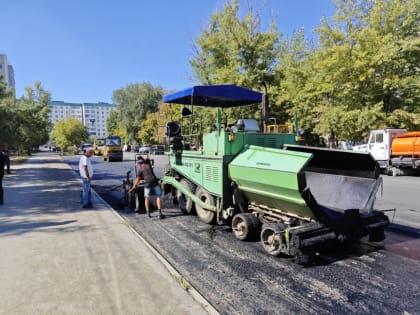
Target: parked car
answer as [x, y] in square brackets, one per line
[84, 146]
[144, 149]
[361, 148]
[344, 145]
[157, 149]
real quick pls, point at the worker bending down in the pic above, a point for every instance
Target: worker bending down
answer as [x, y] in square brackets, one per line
[146, 176]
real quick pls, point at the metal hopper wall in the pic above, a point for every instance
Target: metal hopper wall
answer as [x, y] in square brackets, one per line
[341, 180]
[288, 179]
[269, 177]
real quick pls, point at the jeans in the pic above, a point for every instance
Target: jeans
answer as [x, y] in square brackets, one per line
[86, 192]
[154, 190]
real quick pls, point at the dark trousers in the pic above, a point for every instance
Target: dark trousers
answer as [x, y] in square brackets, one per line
[7, 164]
[1, 186]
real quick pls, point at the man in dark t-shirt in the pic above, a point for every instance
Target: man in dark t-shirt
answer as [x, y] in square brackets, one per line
[146, 176]
[2, 163]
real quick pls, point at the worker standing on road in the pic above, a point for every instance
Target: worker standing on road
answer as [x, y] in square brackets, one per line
[2, 164]
[86, 172]
[6, 154]
[146, 175]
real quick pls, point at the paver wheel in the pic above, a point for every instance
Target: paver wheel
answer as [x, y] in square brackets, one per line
[272, 239]
[206, 216]
[185, 203]
[377, 235]
[245, 226]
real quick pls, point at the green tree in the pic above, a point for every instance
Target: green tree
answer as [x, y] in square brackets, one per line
[235, 50]
[165, 113]
[31, 114]
[364, 69]
[133, 103]
[8, 121]
[4, 92]
[293, 70]
[112, 123]
[148, 129]
[69, 132]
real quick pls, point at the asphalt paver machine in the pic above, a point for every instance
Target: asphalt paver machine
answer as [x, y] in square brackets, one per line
[293, 197]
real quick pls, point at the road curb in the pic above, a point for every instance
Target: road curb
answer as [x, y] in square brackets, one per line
[172, 271]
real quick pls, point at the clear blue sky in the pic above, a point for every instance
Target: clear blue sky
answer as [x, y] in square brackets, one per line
[83, 50]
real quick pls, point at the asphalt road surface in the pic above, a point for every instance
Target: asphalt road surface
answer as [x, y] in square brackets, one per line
[241, 278]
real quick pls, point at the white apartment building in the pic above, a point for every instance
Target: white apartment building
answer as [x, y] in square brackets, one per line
[7, 72]
[92, 115]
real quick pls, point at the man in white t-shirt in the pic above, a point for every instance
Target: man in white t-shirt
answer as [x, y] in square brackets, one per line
[86, 172]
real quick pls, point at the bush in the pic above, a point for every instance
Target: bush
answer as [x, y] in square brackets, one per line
[72, 150]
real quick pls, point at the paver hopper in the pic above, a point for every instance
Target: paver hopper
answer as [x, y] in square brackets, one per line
[313, 194]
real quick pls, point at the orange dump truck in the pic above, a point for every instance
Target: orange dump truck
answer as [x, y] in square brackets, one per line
[397, 151]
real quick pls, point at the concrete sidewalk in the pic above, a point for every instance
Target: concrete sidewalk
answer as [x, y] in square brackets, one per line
[57, 258]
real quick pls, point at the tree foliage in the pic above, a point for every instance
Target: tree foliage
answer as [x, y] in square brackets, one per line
[7, 121]
[24, 122]
[292, 72]
[364, 69]
[69, 132]
[166, 113]
[133, 103]
[362, 73]
[32, 115]
[148, 128]
[234, 50]
[114, 125]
